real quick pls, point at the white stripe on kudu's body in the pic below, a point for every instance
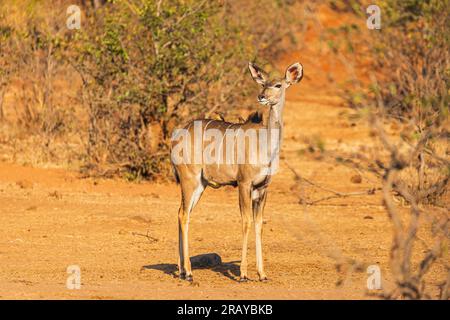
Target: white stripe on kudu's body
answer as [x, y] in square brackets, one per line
[251, 178]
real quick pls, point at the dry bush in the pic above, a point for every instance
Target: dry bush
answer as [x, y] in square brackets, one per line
[415, 90]
[37, 118]
[408, 80]
[411, 278]
[406, 95]
[416, 51]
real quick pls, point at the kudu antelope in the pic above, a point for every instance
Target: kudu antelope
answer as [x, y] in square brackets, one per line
[251, 177]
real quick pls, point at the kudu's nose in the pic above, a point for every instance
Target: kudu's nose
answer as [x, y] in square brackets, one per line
[261, 97]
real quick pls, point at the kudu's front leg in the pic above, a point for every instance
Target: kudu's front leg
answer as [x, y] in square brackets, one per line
[245, 204]
[259, 202]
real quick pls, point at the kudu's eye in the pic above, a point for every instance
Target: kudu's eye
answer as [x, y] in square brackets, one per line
[278, 85]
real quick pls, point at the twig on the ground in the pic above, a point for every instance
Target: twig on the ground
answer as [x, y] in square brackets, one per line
[336, 194]
[149, 237]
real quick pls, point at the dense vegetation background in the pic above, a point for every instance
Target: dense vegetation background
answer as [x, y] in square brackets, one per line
[118, 86]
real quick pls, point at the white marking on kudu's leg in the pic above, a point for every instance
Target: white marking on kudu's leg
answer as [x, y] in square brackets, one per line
[197, 193]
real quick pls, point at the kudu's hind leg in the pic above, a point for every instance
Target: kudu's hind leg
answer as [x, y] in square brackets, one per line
[259, 202]
[191, 190]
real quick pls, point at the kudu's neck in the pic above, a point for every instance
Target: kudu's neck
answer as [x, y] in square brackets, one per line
[275, 127]
[276, 118]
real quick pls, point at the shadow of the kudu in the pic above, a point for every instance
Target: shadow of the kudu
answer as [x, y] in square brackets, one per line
[211, 261]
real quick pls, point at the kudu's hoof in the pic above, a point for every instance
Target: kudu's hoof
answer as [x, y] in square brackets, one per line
[183, 276]
[244, 279]
[189, 278]
[263, 279]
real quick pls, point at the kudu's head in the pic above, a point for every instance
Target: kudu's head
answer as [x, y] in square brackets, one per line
[273, 90]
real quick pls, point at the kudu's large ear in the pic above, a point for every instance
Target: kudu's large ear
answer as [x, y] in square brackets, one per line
[294, 73]
[258, 74]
